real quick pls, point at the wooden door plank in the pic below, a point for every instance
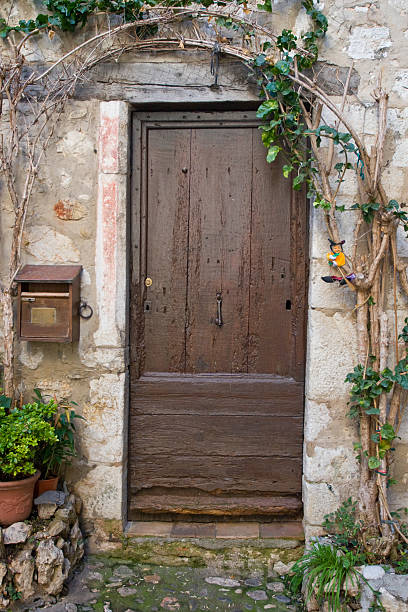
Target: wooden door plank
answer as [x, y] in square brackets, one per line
[270, 318]
[236, 474]
[299, 236]
[192, 502]
[168, 160]
[228, 405]
[220, 198]
[223, 436]
[220, 395]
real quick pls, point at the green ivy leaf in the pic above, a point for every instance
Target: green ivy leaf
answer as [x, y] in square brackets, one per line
[298, 181]
[283, 67]
[273, 153]
[266, 6]
[266, 108]
[374, 463]
[372, 411]
[260, 60]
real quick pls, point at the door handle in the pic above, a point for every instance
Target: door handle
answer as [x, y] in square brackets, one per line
[218, 320]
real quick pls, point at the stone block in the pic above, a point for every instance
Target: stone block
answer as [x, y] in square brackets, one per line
[149, 528]
[318, 500]
[237, 530]
[111, 248]
[400, 7]
[333, 465]
[394, 180]
[56, 527]
[113, 359]
[101, 490]
[401, 84]
[50, 567]
[372, 572]
[329, 335]
[29, 356]
[400, 159]
[17, 533]
[313, 531]
[391, 603]
[324, 295]
[352, 585]
[319, 244]
[66, 514]
[22, 566]
[369, 42]
[47, 246]
[46, 511]
[317, 418]
[193, 530]
[102, 434]
[397, 585]
[283, 568]
[77, 145]
[287, 529]
[113, 134]
[51, 497]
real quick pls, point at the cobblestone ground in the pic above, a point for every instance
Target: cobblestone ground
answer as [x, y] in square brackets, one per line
[118, 585]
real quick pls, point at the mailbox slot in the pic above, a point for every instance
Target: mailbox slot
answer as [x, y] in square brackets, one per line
[48, 303]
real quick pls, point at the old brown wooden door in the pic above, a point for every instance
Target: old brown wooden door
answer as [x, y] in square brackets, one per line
[216, 410]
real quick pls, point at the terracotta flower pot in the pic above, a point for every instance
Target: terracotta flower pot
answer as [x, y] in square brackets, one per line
[48, 484]
[16, 499]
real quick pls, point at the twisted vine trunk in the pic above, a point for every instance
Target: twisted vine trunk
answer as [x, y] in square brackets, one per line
[9, 333]
[367, 490]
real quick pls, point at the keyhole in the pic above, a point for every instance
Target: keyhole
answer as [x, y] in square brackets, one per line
[288, 305]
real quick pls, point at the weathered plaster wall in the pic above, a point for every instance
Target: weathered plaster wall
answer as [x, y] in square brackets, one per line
[78, 214]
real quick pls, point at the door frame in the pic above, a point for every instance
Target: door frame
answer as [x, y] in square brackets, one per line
[140, 118]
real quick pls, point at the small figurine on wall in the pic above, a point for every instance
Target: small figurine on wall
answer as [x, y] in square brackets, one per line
[337, 259]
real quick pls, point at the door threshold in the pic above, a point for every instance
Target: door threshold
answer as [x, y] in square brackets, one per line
[242, 530]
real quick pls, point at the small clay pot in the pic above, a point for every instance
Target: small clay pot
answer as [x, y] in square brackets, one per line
[16, 499]
[48, 484]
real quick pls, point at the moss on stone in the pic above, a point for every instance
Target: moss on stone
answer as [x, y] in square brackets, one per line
[186, 553]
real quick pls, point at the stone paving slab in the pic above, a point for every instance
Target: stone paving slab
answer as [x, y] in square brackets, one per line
[106, 584]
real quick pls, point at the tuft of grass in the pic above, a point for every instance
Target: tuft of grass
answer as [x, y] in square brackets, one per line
[322, 570]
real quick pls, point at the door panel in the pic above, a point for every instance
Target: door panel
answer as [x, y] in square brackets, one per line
[166, 246]
[216, 411]
[270, 317]
[219, 251]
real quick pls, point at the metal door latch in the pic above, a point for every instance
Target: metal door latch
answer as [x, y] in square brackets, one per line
[218, 320]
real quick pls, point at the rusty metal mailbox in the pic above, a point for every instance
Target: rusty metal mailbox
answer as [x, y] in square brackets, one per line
[48, 303]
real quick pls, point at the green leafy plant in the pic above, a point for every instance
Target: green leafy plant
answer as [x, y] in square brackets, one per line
[51, 457]
[12, 592]
[67, 15]
[344, 526]
[22, 432]
[368, 385]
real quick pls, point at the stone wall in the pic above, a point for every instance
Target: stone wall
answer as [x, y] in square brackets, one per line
[79, 214]
[38, 555]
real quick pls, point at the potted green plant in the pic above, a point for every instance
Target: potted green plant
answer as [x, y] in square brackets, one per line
[54, 456]
[22, 432]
